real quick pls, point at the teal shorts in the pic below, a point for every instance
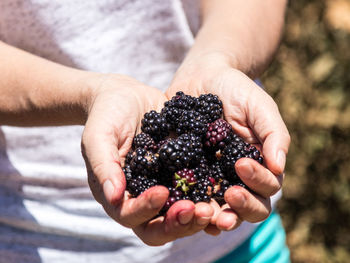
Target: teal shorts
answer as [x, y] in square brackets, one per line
[267, 244]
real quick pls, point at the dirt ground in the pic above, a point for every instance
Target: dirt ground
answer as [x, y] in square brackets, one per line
[310, 81]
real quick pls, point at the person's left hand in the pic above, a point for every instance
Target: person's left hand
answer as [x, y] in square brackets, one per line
[254, 116]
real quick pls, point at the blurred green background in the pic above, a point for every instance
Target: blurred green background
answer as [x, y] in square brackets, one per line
[310, 81]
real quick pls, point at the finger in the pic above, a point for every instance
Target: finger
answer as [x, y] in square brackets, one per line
[102, 160]
[270, 130]
[203, 215]
[258, 178]
[182, 219]
[165, 229]
[188, 222]
[211, 228]
[227, 219]
[249, 207]
[217, 210]
[136, 211]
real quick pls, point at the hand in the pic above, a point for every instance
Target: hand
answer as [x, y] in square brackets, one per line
[116, 108]
[255, 117]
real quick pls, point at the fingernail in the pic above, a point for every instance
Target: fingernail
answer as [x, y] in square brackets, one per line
[108, 190]
[185, 216]
[203, 221]
[234, 224]
[281, 159]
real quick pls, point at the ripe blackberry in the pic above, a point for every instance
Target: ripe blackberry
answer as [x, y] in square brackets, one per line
[216, 172]
[129, 157]
[181, 101]
[236, 150]
[196, 147]
[155, 125]
[139, 184]
[219, 191]
[174, 108]
[218, 134]
[145, 141]
[210, 106]
[191, 121]
[144, 162]
[176, 154]
[127, 172]
[203, 190]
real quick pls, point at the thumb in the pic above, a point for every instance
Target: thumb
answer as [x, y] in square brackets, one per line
[100, 152]
[272, 132]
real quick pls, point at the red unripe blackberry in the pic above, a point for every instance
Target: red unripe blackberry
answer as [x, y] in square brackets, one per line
[218, 134]
[184, 180]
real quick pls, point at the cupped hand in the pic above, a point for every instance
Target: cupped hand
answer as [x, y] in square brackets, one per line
[255, 117]
[115, 110]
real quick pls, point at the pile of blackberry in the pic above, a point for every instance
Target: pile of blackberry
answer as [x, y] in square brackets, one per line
[189, 148]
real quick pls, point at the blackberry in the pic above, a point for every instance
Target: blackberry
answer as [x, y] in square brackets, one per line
[210, 106]
[191, 121]
[236, 150]
[154, 124]
[203, 190]
[216, 172]
[174, 108]
[184, 180]
[181, 101]
[219, 191]
[176, 154]
[196, 147]
[160, 143]
[139, 184]
[129, 157]
[218, 134]
[127, 172]
[144, 162]
[144, 140]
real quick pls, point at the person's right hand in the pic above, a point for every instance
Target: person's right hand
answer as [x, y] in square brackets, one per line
[115, 110]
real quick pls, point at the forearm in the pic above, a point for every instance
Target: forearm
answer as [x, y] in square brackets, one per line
[35, 91]
[247, 32]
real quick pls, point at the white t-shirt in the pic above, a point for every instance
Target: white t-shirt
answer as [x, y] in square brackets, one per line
[47, 212]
